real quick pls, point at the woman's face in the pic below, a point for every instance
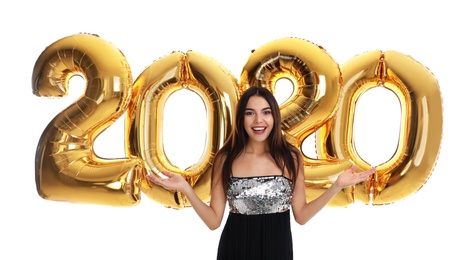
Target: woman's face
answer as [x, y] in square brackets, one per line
[258, 119]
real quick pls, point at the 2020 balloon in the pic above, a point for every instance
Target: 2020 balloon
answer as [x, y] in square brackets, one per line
[323, 102]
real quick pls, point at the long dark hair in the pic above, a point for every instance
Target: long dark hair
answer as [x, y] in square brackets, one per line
[280, 149]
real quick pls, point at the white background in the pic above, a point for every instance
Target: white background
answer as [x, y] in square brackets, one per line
[429, 224]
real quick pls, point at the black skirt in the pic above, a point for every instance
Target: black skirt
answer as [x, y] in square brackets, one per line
[256, 237]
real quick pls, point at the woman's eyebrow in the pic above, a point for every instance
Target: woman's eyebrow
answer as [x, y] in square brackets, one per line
[265, 108]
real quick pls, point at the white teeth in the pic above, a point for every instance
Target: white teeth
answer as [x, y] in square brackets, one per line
[259, 128]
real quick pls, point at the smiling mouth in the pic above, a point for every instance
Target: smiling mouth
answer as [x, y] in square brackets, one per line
[258, 129]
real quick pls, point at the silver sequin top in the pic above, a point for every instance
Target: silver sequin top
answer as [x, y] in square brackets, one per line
[259, 195]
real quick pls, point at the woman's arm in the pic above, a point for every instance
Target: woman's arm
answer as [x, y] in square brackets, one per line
[212, 213]
[304, 211]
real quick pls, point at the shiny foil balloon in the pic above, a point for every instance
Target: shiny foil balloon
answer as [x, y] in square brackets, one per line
[67, 169]
[420, 128]
[317, 83]
[219, 91]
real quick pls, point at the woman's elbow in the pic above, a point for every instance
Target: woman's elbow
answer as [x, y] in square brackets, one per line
[300, 221]
[213, 224]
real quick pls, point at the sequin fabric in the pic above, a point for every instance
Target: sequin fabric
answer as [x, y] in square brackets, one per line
[259, 195]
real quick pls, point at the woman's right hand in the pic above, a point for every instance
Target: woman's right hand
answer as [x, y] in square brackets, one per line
[171, 181]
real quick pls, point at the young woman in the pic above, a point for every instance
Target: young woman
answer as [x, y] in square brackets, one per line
[261, 176]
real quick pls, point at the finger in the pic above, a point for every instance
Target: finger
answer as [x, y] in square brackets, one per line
[150, 177]
[352, 169]
[370, 171]
[167, 174]
[160, 182]
[153, 180]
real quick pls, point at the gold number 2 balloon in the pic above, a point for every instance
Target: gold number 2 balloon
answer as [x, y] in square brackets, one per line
[67, 169]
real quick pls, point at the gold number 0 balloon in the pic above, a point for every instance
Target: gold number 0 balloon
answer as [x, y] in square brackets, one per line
[144, 129]
[316, 80]
[420, 131]
[66, 167]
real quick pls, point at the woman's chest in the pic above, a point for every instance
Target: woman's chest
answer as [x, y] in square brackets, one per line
[250, 166]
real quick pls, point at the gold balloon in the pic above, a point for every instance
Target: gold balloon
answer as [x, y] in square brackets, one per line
[219, 91]
[67, 169]
[317, 83]
[421, 124]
